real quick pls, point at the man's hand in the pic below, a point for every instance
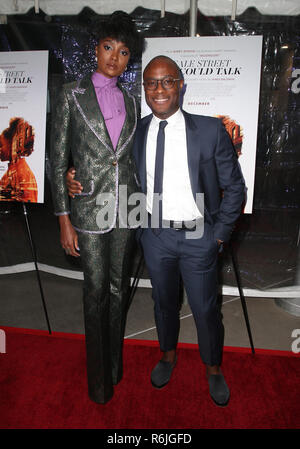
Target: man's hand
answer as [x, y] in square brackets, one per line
[72, 185]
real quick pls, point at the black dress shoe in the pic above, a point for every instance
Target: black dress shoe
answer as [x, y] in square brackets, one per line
[161, 373]
[218, 389]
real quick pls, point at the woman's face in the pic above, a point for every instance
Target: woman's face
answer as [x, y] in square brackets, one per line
[112, 57]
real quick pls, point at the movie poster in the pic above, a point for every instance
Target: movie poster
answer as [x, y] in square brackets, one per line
[222, 79]
[23, 102]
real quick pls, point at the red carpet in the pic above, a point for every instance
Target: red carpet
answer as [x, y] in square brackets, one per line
[43, 386]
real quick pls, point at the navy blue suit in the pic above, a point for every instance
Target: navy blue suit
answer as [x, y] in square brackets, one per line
[213, 168]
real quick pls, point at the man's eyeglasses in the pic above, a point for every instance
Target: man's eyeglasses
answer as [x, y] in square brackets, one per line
[167, 82]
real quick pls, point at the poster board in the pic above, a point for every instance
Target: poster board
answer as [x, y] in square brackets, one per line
[23, 103]
[222, 79]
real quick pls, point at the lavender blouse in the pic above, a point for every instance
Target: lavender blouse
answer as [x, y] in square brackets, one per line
[111, 103]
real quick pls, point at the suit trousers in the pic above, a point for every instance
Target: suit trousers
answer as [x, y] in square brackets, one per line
[105, 262]
[169, 256]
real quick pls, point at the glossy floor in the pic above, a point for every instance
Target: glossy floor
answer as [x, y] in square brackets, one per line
[21, 306]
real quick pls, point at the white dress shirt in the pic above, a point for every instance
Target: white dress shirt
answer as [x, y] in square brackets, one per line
[178, 201]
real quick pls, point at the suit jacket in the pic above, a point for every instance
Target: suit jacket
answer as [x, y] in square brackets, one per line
[213, 167]
[79, 132]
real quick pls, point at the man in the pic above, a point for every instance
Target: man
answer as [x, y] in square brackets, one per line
[196, 157]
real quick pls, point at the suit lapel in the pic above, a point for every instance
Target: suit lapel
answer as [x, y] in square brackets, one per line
[142, 134]
[86, 101]
[193, 153]
[130, 122]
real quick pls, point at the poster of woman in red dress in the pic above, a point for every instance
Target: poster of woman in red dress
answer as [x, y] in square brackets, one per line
[23, 110]
[16, 143]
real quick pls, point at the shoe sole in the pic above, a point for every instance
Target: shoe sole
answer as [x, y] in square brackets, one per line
[220, 405]
[159, 387]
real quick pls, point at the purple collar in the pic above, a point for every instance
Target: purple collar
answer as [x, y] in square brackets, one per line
[101, 81]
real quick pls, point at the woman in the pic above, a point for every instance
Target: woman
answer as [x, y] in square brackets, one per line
[95, 124]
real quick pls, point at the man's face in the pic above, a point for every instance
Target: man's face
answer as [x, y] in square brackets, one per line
[163, 102]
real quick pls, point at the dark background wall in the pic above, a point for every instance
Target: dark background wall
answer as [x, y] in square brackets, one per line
[266, 241]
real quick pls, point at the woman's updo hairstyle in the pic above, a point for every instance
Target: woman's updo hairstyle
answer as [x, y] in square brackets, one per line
[122, 28]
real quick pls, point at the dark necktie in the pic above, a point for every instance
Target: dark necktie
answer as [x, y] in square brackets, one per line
[159, 169]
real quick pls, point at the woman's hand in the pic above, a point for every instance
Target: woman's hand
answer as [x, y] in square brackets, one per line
[72, 185]
[68, 236]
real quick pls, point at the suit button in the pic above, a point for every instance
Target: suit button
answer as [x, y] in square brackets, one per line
[114, 163]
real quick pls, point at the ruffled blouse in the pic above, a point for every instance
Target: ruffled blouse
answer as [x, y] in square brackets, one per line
[111, 103]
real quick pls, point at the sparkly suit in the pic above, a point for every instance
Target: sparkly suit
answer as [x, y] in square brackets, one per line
[79, 131]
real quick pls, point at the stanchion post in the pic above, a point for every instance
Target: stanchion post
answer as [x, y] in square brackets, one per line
[36, 265]
[243, 301]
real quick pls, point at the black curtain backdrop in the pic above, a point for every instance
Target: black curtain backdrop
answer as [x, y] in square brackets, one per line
[265, 241]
